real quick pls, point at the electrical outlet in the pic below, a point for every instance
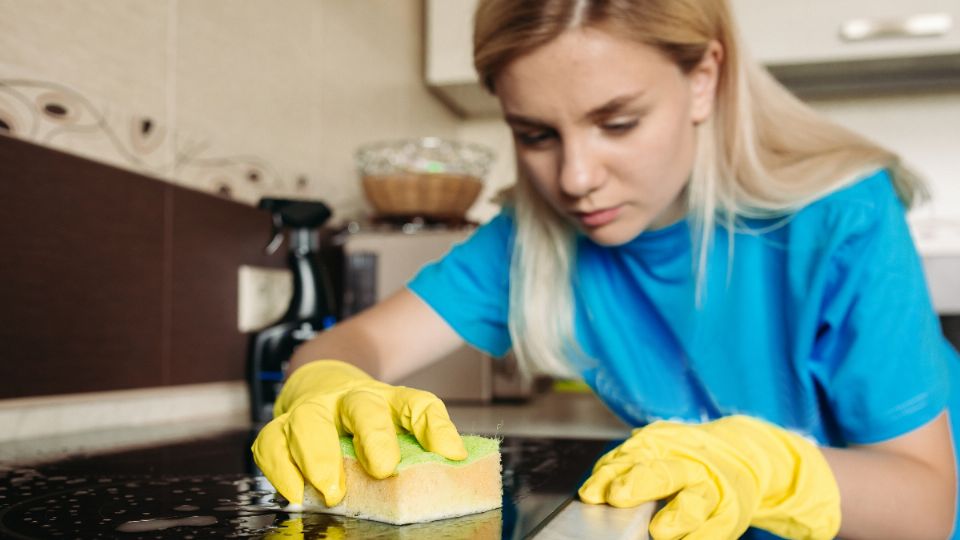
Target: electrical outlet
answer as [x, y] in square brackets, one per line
[263, 295]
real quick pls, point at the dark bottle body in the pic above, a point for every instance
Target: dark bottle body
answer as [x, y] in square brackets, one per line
[311, 306]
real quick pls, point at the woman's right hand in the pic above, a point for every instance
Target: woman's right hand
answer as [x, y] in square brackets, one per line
[325, 399]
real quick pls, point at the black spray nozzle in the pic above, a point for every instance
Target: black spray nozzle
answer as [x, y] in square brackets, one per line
[294, 214]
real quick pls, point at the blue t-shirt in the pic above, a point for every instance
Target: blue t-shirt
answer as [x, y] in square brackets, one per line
[820, 322]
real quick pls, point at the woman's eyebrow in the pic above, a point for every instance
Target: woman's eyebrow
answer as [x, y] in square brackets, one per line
[610, 107]
[613, 106]
[518, 120]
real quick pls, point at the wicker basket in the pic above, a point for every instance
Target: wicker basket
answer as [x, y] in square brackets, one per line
[433, 195]
[429, 177]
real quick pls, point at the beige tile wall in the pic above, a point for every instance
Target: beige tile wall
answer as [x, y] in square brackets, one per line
[241, 97]
[246, 96]
[105, 61]
[370, 55]
[113, 50]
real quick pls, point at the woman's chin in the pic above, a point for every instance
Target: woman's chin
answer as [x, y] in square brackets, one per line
[611, 235]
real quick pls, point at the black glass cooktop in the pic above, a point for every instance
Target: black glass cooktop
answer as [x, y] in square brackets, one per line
[210, 488]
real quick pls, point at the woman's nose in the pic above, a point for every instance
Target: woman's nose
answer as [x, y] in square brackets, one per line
[580, 171]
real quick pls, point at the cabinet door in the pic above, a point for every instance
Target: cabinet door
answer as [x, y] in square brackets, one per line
[803, 32]
[450, 41]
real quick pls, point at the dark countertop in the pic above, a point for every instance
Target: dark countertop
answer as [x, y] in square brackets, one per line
[210, 488]
[198, 480]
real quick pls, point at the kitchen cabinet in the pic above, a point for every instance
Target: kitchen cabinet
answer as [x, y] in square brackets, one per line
[817, 46]
[941, 272]
[449, 63]
[827, 31]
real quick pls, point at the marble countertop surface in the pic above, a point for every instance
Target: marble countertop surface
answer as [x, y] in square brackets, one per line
[551, 414]
[572, 415]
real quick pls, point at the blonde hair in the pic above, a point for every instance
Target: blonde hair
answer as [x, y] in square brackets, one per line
[762, 153]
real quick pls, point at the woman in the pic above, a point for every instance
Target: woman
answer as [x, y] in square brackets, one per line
[720, 264]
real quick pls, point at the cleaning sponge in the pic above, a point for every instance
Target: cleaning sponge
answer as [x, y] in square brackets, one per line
[426, 487]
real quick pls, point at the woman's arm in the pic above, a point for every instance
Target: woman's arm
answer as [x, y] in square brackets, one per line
[901, 488]
[388, 341]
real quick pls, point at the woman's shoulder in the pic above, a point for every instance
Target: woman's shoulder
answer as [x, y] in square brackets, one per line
[856, 206]
[871, 190]
[502, 223]
[495, 234]
[849, 226]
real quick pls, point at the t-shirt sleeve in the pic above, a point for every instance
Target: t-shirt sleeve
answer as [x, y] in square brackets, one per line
[469, 287]
[880, 356]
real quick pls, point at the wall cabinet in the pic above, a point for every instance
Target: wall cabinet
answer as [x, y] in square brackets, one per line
[449, 63]
[815, 46]
[826, 31]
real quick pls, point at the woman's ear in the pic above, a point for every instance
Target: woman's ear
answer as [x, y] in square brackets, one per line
[703, 82]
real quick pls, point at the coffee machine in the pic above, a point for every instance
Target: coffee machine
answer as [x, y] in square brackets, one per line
[312, 307]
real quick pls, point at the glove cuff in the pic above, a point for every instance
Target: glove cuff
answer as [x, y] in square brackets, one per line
[800, 498]
[316, 377]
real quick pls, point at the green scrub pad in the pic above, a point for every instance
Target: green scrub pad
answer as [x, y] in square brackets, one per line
[411, 453]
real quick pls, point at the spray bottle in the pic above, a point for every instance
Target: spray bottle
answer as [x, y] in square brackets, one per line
[311, 307]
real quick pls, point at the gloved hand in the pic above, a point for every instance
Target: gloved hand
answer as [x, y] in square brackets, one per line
[326, 399]
[724, 476]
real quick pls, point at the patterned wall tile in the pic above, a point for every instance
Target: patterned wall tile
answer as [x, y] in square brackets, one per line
[242, 98]
[113, 52]
[60, 116]
[246, 76]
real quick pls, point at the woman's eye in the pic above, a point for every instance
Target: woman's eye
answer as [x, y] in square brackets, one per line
[620, 126]
[534, 138]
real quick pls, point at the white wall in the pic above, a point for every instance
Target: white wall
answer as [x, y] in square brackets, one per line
[924, 128]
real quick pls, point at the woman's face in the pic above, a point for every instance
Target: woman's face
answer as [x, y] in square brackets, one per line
[605, 129]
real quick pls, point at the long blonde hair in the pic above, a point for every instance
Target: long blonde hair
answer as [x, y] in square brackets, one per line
[762, 153]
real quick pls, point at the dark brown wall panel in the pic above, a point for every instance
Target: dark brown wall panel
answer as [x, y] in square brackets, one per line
[211, 237]
[112, 280]
[81, 277]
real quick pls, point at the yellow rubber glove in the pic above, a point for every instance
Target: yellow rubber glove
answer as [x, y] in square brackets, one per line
[288, 529]
[724, 476]
[295, 529]
[326, 399]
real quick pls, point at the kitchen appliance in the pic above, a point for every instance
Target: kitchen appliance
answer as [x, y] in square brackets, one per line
[210, 488]
[312, 306]
[380, 257]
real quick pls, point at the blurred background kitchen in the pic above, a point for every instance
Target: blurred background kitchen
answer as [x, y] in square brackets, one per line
[138, 136]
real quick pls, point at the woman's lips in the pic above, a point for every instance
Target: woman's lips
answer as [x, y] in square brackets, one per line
[598, 218]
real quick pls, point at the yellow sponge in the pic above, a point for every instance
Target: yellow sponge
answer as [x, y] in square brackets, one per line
[426, 487]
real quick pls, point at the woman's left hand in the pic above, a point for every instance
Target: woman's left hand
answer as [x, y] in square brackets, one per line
[723, 476]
